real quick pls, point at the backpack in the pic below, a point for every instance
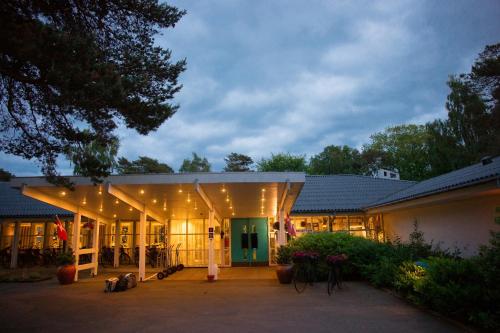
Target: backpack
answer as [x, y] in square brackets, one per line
[131, 280]
[122, 283]
[110, 284]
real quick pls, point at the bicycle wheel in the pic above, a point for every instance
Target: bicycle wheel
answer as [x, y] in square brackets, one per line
[331, 281]
[300, 279]
[125, 259]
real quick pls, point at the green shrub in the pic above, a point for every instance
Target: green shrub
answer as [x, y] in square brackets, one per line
[65, 258]
[284, 255]
[408, 278]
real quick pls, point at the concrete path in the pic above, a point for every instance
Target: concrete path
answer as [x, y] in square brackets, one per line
[231, 305]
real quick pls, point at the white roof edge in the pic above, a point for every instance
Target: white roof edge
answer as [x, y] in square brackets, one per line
[177, 178]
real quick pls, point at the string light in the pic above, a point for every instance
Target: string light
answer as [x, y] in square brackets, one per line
[141, 191]
[154, 201]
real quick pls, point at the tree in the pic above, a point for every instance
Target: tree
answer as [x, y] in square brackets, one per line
[71, 71]
[336, 160]
[197, 164]
[402, 147]
[94, 156]
[5, 175]
[238, 162]
[283, 162]
[143, 165]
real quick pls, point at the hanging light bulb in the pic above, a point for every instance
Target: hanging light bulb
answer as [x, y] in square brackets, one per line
[117, 201]
[189, 198]
[223, 189]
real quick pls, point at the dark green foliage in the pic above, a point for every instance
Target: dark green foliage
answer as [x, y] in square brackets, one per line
[71, 71]
[238, 162]
[284, 255]
[197, 164]
[283, 162]
[5, 175]
[337, 159]
[143, 165]
[65, 258]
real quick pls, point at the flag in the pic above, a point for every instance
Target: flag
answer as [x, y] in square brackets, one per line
[61, 232]
[289, 226]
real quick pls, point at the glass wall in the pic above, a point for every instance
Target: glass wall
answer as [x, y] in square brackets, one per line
[192, 235]
[357, 225]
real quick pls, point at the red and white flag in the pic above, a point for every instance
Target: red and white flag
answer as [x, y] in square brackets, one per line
[61, 232]
[289, 226]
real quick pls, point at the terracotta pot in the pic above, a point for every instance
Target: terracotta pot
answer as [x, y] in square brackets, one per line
[284, 273]
[211, 278]
[66, 274]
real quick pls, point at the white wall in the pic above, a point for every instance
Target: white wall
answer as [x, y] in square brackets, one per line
[465, 223]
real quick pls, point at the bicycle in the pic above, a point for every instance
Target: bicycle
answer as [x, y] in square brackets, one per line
[304, 270]
[335, 276]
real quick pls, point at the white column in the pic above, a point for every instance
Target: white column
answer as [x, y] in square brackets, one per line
[77, 219]
[282, 232]
[116, 259]
[95, 245]
[15, 245]
[211, 254]
[142, 246]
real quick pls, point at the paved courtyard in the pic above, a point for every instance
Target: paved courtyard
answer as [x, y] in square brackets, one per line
[234, 304]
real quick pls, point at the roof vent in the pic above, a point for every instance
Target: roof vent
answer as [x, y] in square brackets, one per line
[486, 160]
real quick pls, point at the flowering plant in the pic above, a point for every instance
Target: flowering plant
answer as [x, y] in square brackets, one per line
[336, 259]
[302, 256]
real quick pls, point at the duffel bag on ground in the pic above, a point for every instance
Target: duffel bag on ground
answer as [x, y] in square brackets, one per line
[110, 284]
[131, 280]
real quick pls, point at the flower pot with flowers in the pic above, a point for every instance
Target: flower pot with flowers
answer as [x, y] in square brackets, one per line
[66, 267]
[284, 269]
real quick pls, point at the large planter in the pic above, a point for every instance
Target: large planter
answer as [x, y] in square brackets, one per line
[284, 273]
[66, 274]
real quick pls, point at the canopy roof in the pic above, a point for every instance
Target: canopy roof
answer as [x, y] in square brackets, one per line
[164, 196]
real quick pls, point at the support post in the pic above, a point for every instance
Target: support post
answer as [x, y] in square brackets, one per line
[142, 246]
[46, 235]
[77, 219]
[65, 243]
[95, 246]
[15, 245]
[281, 232]
[211, 254]
[116, 258]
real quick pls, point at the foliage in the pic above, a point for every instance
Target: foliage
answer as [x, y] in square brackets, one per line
[336, 160]
[197, 164]
[5, 175]
[465, 289]
[65, 258]
[72, 71]
[284, 255]
[402, 147]
[143, 165]
[238, 162]
[283, 162]
[94, 156]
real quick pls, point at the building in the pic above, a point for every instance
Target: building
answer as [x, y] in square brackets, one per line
[234, 219]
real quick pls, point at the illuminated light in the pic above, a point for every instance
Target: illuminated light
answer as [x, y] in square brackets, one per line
[231, 207]
[263, 190]
[84, 202]
[180, 190]
[63, 193]
[223, 189]
[173, 215]
[154, 201]
[99, 191]
[114, 215]
[130, 209]
[232, 214]
[117, 201]
[141, 191]
[100, 209]
[189, 198]
[164, 209]
[195, 206]
[263, 199]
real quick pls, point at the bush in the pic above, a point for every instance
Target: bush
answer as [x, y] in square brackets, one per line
[284, 255]
[65, 258]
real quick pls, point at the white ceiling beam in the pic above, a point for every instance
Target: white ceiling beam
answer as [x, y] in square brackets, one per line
[207, 200]
[126, 198]
[284, 195]
[60, 203]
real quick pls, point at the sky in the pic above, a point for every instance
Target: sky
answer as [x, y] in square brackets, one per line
[296, 76]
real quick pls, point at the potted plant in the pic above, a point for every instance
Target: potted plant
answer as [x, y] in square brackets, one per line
[66, 269]
[284, 269]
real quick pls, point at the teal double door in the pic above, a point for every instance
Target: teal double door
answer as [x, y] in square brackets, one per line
[249, 242]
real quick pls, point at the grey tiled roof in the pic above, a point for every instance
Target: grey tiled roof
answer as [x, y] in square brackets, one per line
[344, 193]
[471, 175]
[14, 204]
